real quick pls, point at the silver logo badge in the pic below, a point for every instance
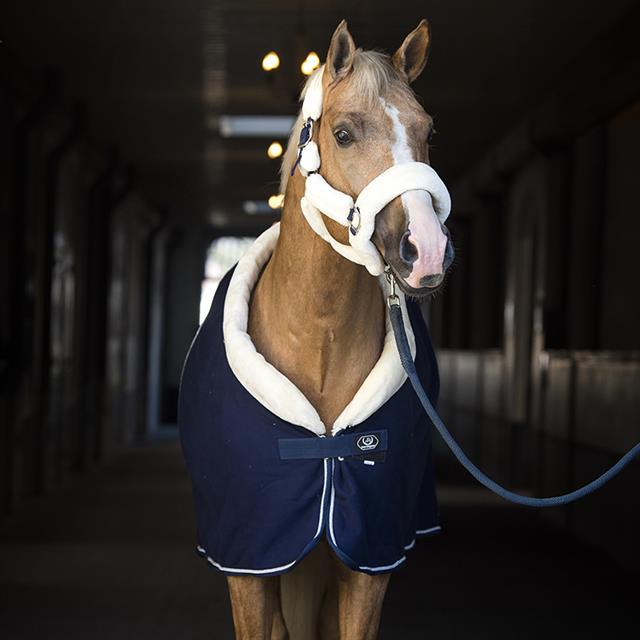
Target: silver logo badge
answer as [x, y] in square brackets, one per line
[368, 442]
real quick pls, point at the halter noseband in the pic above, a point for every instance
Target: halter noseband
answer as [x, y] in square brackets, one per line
[359, 216]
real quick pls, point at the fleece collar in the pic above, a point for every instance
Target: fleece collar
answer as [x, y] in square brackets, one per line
[273, 389]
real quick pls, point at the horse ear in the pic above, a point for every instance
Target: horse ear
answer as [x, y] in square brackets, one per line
[411, 58]
[341, 52]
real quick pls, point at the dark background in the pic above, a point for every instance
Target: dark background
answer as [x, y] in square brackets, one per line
[114, 182]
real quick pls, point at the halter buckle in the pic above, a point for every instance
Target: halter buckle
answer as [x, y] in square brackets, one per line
[306, 134]
[354, 227]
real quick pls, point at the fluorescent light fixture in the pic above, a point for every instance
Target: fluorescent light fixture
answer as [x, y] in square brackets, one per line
[255, 126]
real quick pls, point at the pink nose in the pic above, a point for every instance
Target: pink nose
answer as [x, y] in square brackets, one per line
[424, 246]
[427, 261]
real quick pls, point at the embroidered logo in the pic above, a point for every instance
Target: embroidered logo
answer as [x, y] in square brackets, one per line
[368, 442]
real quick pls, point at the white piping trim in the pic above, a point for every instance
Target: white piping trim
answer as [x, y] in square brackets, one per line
[333, 498]
[273, 389]
[332, 535]
[421, 532]
[324, 493]
[249, 571]
[387, 567]
[283, 567]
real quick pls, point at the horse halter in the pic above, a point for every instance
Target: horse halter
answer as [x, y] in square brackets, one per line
[359, 216]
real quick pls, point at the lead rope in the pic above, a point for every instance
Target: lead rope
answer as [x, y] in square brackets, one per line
[395, 313]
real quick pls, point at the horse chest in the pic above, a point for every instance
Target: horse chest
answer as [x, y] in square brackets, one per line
[328, 369]
[268, 485]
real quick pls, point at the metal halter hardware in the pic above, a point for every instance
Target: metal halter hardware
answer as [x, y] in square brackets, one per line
[354, 227]
[359, 213]
[392, 299]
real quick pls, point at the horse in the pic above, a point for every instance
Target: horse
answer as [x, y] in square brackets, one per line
[313, 332]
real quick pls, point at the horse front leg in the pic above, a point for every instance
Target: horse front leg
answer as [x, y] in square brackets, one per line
[360, 599]
[256, 608]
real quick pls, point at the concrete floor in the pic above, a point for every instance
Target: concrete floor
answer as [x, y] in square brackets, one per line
[110, 557]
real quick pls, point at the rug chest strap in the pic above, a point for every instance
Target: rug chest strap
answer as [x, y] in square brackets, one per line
[368, 444]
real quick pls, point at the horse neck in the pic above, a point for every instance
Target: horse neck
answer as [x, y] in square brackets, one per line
[316, 316]
[313, 275]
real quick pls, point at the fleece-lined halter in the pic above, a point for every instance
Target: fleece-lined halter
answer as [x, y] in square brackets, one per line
[359, 216]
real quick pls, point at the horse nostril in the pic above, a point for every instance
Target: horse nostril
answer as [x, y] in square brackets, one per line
[449, 255]
[408, 250]
[431, 282]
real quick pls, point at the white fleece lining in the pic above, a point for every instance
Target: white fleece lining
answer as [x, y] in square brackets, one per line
[273, 389]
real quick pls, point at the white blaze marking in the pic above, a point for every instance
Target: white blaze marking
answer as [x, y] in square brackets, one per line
[400, 148]
[425, 231]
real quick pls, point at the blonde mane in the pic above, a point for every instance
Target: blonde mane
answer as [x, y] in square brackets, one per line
[371, 77]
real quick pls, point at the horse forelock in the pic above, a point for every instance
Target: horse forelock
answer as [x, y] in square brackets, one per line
[373, 76]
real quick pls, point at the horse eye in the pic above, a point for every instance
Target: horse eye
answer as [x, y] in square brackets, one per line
[430, 135]
[343, 137]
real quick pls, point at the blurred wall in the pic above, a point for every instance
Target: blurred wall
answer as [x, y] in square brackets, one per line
[77, 246]
[539, 328]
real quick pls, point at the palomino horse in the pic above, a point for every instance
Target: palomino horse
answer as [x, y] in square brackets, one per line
[313, 329]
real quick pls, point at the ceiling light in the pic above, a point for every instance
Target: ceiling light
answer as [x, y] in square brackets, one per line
[276, 201]
[310, 64]
[274, 150]
[271, 61]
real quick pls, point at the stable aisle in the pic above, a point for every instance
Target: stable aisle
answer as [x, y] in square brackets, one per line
[111, 557]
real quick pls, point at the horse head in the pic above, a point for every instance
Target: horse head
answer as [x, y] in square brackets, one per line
[371, 121]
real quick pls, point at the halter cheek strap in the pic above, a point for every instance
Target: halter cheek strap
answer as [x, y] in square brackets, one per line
[359, 216]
